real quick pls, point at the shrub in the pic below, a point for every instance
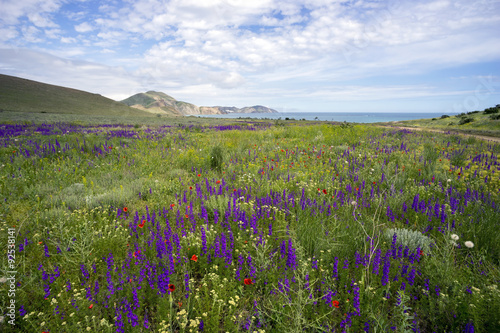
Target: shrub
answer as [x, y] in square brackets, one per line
[495, 116]
[465, 120]
[411, 239]
[491, 110]
[444, 116]
[216, 158]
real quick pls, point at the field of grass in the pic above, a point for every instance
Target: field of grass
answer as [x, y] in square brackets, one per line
[246, 227]
[485, 122]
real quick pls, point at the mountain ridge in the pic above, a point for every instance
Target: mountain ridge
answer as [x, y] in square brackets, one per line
[161, 103]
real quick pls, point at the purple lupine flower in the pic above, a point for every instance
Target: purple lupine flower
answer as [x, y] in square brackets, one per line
[437, 289]
[203, 241]
[46, 250]
[291, 260]
[346, 263]
[411, 276]
[335, 268]
[186, 283]
[135, 298]
[283, 249]
[252, 269]
[85, 273]
[355, 302]
[22, 311]
[376, 261]
[314, 263]
[119, 322]
[469, 328]
[386, 268]
[96, 289]
[146, 320]
[68, 285]
[393, 246]
[241, 261]
[46, 288]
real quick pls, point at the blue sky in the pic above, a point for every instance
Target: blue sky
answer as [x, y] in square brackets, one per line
[308, 56]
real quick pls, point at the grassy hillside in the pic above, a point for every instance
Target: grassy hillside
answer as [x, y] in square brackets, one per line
[485, 122]
[21, 95]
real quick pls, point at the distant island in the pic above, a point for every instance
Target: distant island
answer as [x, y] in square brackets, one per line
[161, 103]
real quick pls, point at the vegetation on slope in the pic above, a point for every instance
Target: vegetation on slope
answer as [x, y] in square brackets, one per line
[486, 122]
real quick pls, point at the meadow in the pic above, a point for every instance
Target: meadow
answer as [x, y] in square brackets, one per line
[247, 227]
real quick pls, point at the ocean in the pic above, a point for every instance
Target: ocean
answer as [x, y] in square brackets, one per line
[351, 117]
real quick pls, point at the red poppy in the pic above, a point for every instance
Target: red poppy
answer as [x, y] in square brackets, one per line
[186, 216]
[91, 306]
[171, 287]
[125, 209]
[172, 205]
[335, 304]
[217, 182]
[199, 175]
[324, 191]
[142, 224]
[190, 187]
[421, 253]
[194, 258]
[248, 281]
[374, 183]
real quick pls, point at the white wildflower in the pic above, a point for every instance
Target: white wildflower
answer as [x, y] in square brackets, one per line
[455, 237]
[469, 244]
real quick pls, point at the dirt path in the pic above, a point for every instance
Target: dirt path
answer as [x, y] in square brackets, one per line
[481, 137]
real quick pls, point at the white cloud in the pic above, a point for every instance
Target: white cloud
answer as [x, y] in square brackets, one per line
[84, 27]
[35, 10]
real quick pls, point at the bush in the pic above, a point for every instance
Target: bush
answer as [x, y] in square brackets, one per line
[444, 116]
[411, 239]
[491, 110]
[465, 120]
[216, 158]
[495, 117]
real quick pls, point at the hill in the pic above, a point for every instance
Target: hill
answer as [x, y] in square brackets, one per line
[161, 103]
[22, 95]
[486, 122]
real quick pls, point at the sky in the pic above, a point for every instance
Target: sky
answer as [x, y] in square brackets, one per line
[294, 56]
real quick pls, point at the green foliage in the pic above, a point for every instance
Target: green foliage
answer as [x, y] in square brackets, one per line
[465, 120]
[216, 158]
[411, 238]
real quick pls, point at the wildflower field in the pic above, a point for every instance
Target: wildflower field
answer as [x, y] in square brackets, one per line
[256, 227]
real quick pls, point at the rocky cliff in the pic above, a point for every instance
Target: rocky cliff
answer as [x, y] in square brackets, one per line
[161, 103]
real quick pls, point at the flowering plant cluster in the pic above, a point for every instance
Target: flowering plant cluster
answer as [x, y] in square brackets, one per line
[250, 227]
